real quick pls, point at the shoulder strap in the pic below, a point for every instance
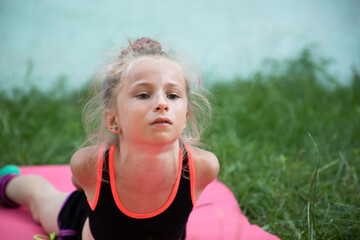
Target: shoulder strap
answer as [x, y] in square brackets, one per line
[185, 168]
[188, 171]
[105, 167]
[100, 174]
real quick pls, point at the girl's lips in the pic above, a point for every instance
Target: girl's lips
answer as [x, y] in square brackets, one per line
[161, 121]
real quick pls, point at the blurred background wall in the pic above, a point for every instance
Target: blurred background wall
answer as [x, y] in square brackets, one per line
[42, 41]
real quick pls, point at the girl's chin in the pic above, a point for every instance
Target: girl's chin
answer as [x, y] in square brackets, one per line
[163, 140]
[159, 137]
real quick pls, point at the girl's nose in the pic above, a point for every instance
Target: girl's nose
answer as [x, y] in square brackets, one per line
[161, 104]
[162, 107]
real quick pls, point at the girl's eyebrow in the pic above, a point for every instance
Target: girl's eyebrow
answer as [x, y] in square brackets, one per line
[141, 84]
[148, 84]
[173, 84]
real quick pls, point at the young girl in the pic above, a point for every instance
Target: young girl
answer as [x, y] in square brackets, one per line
[143, 174]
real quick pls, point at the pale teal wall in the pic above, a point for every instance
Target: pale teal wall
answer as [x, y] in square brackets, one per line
[228, 37]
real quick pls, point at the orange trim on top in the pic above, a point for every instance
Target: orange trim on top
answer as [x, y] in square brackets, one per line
[192, 175]
[99, 179]
[144, 215]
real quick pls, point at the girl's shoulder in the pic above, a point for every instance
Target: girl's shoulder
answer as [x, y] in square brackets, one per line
[84, 164]
[206, 166]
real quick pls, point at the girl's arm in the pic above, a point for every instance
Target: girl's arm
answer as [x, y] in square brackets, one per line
[206, 167]
[76, 184]
[83, 166]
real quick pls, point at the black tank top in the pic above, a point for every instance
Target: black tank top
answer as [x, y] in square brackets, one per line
[110, 220]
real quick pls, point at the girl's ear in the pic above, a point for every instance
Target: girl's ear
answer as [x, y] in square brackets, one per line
[111, 121]
[187, 116]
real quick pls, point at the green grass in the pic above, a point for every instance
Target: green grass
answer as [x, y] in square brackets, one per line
[38, 127]
[289, 146]
[287, 140]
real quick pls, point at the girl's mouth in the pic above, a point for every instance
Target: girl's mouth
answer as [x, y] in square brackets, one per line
[161, 121]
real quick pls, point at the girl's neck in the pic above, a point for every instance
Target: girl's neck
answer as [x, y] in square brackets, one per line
[147, 153]
[147, 167]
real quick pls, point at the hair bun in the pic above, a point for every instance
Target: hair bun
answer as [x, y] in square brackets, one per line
[143, 46]
[146, 44]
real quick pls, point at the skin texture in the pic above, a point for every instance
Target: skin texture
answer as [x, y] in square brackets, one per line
[150, 114]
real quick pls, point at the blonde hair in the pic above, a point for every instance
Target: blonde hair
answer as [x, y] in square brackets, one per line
[110, 78]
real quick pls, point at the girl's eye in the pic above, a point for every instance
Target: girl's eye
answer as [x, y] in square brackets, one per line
[173, 96]
[142, 96]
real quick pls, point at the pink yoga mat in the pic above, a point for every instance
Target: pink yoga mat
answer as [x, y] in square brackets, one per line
[216, 215]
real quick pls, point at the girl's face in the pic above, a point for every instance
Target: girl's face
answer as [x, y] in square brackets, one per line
[152, 103]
